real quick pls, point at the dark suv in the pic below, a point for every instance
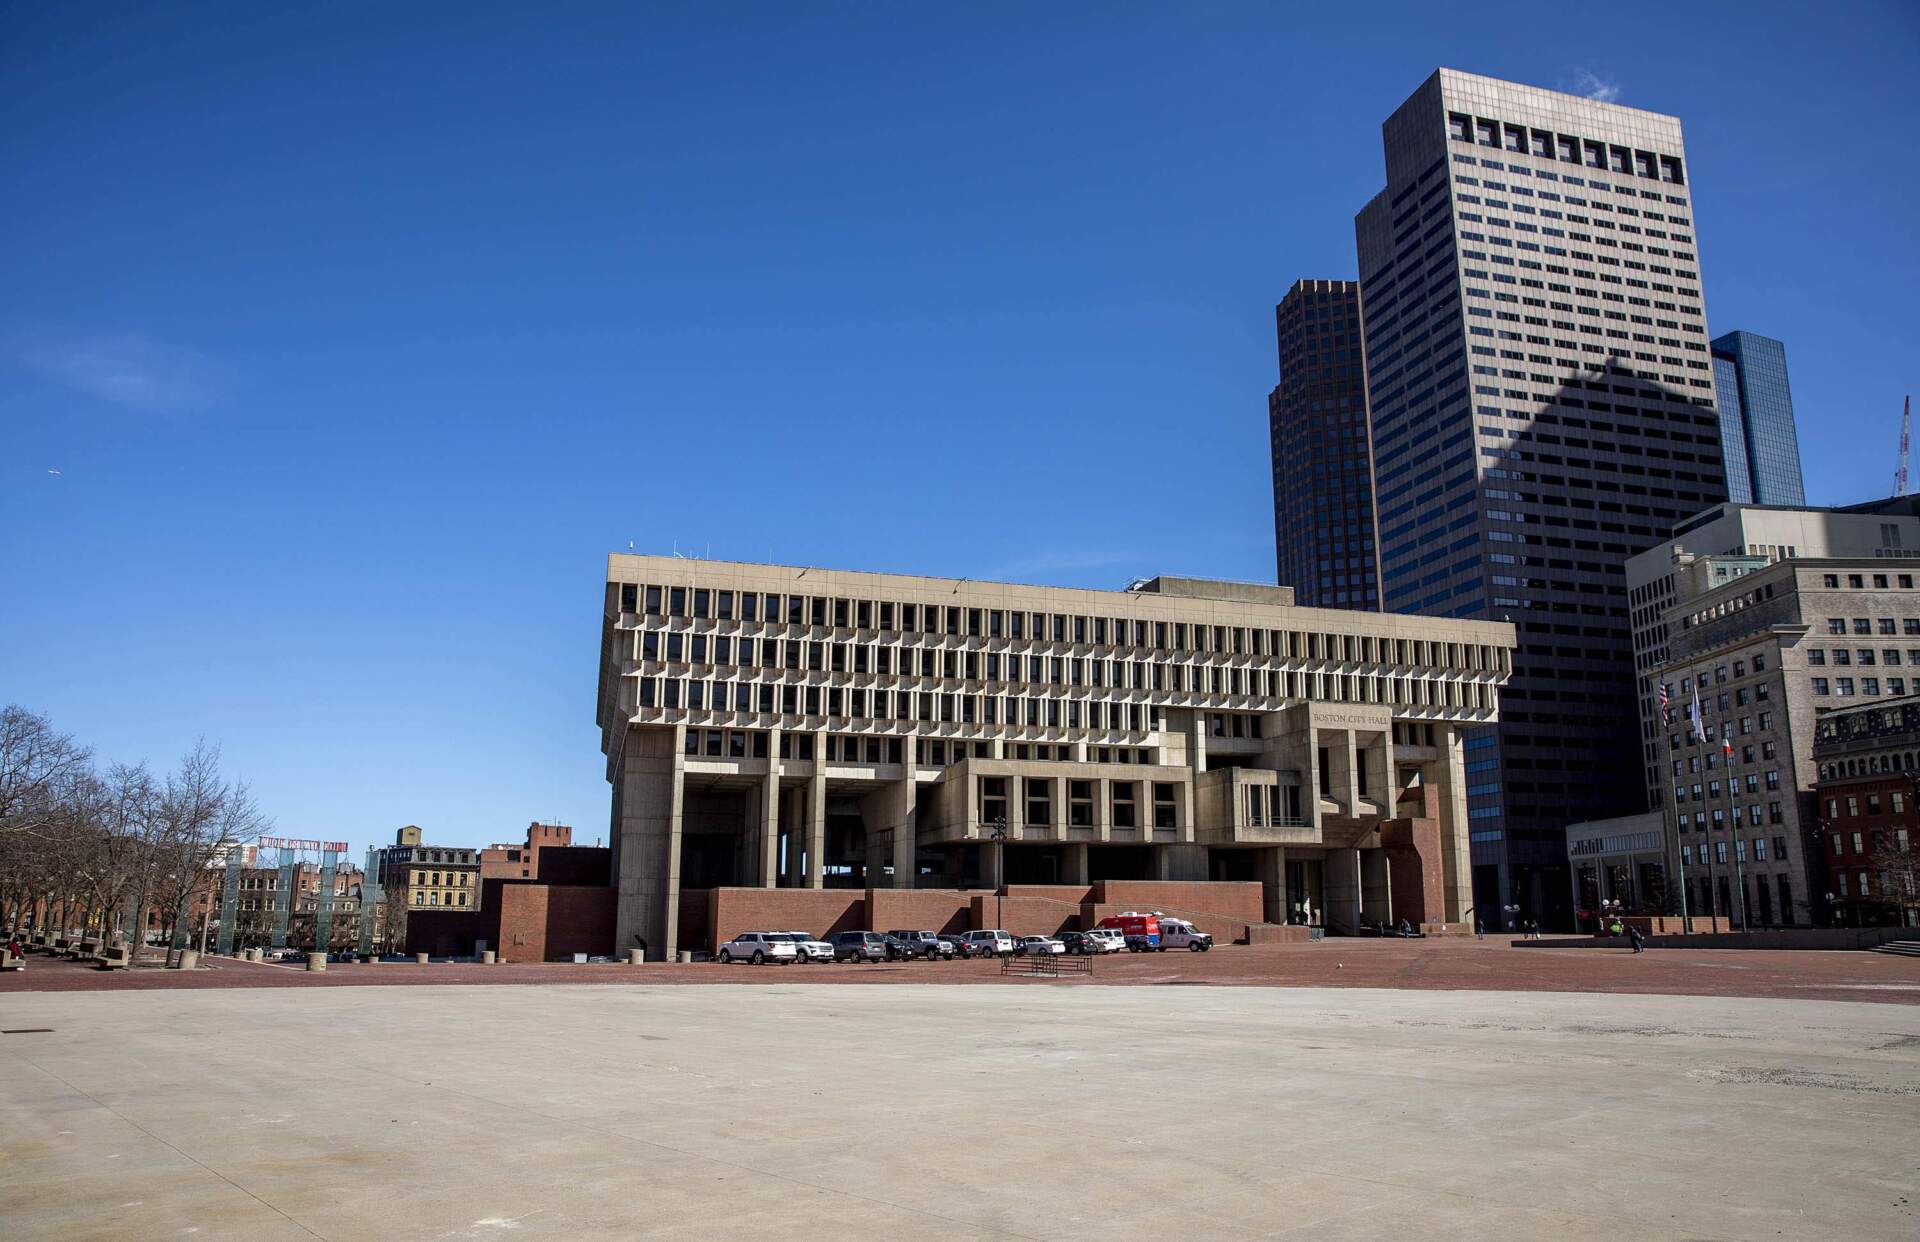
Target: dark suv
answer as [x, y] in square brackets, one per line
[858, 946]
[922, 944]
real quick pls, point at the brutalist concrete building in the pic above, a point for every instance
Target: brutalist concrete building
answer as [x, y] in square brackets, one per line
[779, 727]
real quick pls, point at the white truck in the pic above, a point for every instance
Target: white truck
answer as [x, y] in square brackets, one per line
[1180, 934]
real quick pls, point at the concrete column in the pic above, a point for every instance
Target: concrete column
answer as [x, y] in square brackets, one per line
[1197, 743]
[646, 839]
[906, 855]
[1103, 808]
[1073, 864]
[1376, 895]
[1340, 890]
[816, 820]
[1058, 787]
[906, 845]
[769, 798]
[1456, 858]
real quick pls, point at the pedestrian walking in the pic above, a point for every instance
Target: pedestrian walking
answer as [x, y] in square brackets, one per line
[1633, 934]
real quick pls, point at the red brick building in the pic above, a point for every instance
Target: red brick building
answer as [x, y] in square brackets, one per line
[522, 862]
[565, 907]
[1868, 760]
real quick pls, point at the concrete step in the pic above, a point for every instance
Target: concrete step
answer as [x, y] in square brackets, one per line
[1900, 948]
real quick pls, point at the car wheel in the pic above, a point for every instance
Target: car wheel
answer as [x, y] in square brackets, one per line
[1197, 947]
[726, 958]
[758, 958]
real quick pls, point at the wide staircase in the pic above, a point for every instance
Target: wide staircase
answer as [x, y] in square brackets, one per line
[1899, 948]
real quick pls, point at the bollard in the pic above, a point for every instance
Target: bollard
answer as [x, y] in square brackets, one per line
[686, 957]
[487, 958]
[189, 960]
[636, 956]
[316, 961]
[420, 959]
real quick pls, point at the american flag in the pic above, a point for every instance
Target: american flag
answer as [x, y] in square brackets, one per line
[1666, 712]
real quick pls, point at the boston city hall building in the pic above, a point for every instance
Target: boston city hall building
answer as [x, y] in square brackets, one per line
[818, 750]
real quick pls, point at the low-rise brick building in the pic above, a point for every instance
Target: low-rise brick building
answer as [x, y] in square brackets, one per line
[522, 862]
[1868, 793]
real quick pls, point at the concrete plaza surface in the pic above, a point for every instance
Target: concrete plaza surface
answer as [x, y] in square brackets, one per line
[846, 1112]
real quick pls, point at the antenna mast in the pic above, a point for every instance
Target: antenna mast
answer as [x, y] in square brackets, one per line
[1906, 422]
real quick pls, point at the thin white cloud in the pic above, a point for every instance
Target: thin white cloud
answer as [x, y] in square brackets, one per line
[129, 368]
[1593, 86]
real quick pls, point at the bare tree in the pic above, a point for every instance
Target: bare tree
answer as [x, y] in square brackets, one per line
[1896, 865]
[392, 919]
[37, 769]
[196, 817]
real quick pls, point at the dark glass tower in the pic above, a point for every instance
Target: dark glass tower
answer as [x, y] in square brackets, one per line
[1757, 435]
[1322, 479]
[1541, 405]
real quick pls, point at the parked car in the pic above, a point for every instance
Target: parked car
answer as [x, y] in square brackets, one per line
[922, 944]
[811, 950]
[760, 948]
[1079, 943]
[1038, 946]
[1180, 934]
[1110, 940]
[959, 946]
[990, 942]
[858, 946]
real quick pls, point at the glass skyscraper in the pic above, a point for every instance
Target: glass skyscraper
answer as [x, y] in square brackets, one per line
[1757, 436]
[1322, 478]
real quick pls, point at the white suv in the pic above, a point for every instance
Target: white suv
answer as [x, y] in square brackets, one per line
[759, 948]
[990, 942]
[811, 950]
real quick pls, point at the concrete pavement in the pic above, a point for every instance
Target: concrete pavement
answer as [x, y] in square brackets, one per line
[822, 1111]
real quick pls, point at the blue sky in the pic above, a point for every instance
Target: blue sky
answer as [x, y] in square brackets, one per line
[359, 334]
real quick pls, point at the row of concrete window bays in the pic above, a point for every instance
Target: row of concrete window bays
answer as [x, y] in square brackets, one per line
[1223, 804]
[689, 605]
[846, 700]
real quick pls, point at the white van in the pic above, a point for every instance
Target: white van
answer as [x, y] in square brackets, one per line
[1180, 934]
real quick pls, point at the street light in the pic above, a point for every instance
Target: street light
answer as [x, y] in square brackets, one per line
[1511, 911]
[999, 838]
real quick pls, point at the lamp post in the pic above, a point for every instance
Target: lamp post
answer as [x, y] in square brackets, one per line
[999, 838]
[1511, 911]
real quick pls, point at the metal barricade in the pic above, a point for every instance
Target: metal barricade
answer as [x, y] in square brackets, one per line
[1046, 965]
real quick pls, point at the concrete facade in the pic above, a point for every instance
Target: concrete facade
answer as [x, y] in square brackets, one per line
[1541, 401]
[787, 727]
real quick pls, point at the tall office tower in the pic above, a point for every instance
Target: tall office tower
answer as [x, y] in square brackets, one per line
[1541, 399]
[1322, 475]
[1757, 436]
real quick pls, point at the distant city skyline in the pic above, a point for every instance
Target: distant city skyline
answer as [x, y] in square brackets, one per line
[341, 347]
